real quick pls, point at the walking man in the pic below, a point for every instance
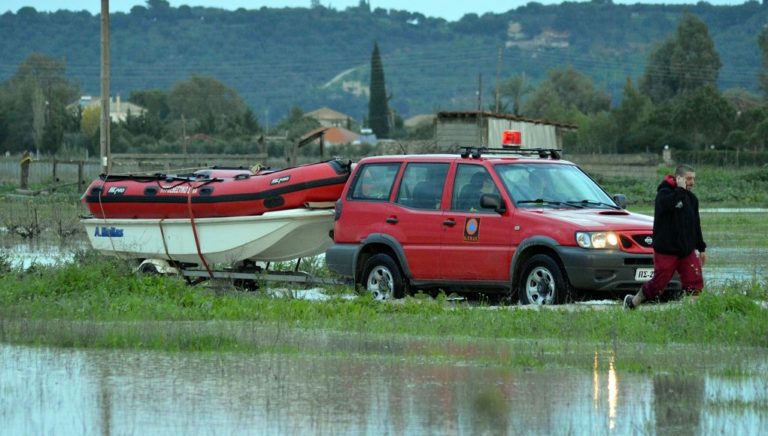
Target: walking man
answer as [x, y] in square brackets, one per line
[677, 241]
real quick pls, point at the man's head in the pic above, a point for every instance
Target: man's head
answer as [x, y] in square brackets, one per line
[537, 183]
[685, 176]
[478, 179]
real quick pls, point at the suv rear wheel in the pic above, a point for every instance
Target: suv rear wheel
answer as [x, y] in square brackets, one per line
[543, 282]
[382, 278]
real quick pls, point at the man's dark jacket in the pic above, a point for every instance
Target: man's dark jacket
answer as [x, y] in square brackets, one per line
[676, 224]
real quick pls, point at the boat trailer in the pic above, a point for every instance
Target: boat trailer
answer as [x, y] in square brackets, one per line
[246, 275]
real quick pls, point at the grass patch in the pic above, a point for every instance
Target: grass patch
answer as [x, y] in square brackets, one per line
[715, 187]
[105, 292]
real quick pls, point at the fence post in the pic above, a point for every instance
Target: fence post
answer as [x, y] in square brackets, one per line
[55, 179]
[80, 175]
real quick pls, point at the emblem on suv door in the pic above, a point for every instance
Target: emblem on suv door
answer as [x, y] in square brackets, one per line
[472, 229]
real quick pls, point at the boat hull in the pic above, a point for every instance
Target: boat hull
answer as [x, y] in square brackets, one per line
[215, 193]
[272, 236]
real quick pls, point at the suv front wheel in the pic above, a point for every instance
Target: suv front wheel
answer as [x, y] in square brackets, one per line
[382, 278]
[543, 281]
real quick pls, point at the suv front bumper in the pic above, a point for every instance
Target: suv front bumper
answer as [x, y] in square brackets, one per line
[605, 270]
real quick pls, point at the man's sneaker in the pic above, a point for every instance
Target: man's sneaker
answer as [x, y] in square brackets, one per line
[628, 303]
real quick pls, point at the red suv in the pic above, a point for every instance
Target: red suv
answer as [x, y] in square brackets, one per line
[524, 223]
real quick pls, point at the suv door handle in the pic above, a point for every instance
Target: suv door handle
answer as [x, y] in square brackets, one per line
[392, 220]
[449, 222]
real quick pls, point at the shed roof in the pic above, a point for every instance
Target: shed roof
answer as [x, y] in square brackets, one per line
[476, 114]
[326, 113]
[331, 135]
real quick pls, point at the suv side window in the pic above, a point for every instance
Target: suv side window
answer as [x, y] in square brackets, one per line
[470, 183]
[422, 185]
[374, 182]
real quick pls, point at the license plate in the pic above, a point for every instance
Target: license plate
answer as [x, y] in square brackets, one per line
[643, 274]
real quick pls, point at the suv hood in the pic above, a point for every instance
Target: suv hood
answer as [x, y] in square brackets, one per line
[595, 219]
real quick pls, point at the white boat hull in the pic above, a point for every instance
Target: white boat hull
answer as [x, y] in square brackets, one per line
[270, 237]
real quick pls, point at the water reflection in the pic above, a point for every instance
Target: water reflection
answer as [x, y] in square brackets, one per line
[39, 251]
[25, 255]
[677, 404]
[127, 392]
[612, 387]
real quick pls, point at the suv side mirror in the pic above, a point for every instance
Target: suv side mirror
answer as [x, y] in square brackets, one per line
[620, 200]
[493, 201]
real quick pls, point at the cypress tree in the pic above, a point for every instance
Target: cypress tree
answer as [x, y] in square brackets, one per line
[686, 61]
[378, 111]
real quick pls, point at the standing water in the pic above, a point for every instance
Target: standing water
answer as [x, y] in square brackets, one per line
[374, 390]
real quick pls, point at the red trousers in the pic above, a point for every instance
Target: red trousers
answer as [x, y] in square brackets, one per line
[664, 267]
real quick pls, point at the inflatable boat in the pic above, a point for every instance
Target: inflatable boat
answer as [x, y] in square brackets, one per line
[215, 193]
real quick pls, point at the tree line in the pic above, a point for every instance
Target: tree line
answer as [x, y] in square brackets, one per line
[278, 58]
[676, 102]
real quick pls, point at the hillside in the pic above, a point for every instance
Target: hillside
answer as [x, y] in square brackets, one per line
[279, 58]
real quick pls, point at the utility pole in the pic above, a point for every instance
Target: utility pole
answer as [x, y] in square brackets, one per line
[498, 78]
[480, 109]
[480, 92]
[106, 155]
[184, 135]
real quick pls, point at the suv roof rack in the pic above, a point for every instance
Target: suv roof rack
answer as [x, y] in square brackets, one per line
[543, 153]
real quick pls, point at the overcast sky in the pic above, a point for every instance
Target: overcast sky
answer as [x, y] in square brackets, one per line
[449, 9]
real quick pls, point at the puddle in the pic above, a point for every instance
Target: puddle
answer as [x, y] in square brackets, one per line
[313, 294]
[25, 255]
[733, 210]
[362, 386]
[721, 275]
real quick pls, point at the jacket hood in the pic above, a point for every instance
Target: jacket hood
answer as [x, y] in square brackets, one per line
[668, 182]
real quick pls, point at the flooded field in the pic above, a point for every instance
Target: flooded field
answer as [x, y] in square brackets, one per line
[352, 385]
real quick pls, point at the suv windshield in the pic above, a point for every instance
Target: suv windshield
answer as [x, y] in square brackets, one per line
[552, 185]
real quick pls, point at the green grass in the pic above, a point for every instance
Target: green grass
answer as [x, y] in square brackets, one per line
[715, 187]
[104, 293]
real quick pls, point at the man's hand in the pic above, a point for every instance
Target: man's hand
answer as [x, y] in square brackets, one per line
[702, 258]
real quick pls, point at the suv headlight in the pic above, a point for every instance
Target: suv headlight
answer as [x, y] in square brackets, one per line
[597, 239]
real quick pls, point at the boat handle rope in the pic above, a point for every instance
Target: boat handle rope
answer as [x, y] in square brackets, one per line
[185, 181]
[194, 230]
[165, 244]
[166, 188]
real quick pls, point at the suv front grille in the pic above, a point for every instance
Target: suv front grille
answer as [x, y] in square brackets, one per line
[640, 242]
[644, 240]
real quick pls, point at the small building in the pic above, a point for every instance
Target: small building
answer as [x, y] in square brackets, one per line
[328, 117]
[366, 137]
[419, 120]
[329, 136]
[484, 129]
[118, 109]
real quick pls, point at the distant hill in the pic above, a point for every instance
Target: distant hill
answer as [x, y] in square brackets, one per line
[279, 58]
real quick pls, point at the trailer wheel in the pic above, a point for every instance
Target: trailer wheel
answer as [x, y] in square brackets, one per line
[382, 278]
[149, 269]
[250, 267]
